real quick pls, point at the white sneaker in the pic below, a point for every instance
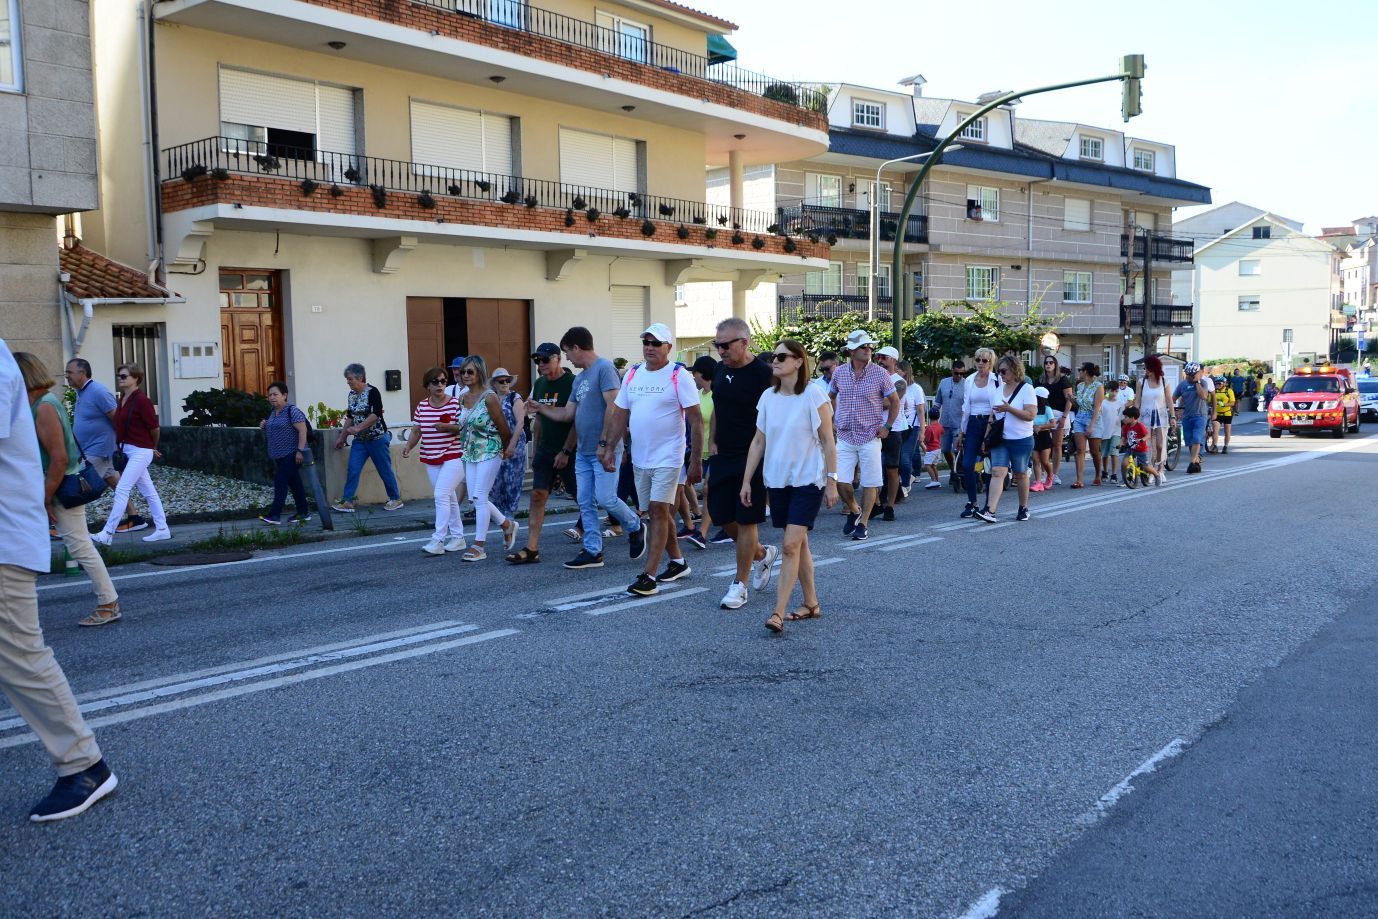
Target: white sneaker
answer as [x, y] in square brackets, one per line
[455, 544]
[434, 547]
[158, 535]
[736, 596]
[1057, 480]
[760, 571]
[102, 538]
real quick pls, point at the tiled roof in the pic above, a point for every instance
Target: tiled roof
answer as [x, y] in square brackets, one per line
[698, 14]
[1049, 136]
[92, 276]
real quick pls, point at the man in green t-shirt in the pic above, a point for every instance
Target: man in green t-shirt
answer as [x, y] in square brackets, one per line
[552, 446]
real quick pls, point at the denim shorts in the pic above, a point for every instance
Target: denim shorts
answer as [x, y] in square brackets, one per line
[1013, 454]
[1194, 430]
[1082, 422]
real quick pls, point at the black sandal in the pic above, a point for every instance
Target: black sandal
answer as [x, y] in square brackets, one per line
[524, 556]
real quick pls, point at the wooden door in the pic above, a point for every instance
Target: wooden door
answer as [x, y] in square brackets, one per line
[250, 329]
[500, 333]
[425, 341]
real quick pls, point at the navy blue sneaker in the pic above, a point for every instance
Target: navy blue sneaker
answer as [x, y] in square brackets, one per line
[721, 538]
[585, 559]
[969, 512]
[636, 542]
[860, 532]
[73, 794]
[849, 527]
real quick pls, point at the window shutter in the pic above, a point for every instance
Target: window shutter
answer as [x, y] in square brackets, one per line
[267, 101]
[625, 168]
[497, 144]
[599, 161]
[1078, 214]
[447, 137]
[336, 111]
[629, 320]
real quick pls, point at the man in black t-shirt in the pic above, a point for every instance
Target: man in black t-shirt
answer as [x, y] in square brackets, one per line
[737, 386]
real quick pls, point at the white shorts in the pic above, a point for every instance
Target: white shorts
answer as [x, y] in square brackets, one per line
[866, 457]
[931, 457]
[656, 484]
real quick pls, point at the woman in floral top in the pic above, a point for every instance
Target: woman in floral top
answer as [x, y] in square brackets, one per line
[507, 490]
[436, 427]
[483, 432]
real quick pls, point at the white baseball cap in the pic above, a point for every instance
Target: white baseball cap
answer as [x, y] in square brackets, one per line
[889, 352]
[660, 332]
[1041, 392]
[857, 339]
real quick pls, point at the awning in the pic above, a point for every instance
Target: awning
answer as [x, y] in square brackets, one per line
[720, 50]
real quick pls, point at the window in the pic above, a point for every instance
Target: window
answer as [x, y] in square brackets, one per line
[11, 74]
[983, 203]
[623, 37]
[1286, 336]
[142, 345]
[1076, 287]
[444, 137]
[681, 297]
[285, 117]
[824, 283]
[507, 12]
[863, 281]
[881, 191]
[1248, 304]
[1076, 214]
[867, 114]
[1250, 267]
[1143, 159]
[1107, 360]
[600, 161]
[1092, 148]
[1263, 232]
[983, 282]
[824, 190]
[974, 131]
[917, 279]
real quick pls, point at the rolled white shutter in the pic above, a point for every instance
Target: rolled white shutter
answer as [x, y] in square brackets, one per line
[267, 101]
[335, 106]
[1078, 214]
[497, 144]
[628, 313]
[585, 159]
[626, 168]
[446, 137]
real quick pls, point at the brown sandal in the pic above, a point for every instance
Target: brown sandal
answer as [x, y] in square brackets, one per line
[775, 623]
[524, 556]
[104, 614]
[813, 613]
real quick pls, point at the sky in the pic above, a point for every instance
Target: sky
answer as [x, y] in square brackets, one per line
[1267, 102]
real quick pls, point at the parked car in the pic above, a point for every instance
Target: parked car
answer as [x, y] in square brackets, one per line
[1320, 398]
[1368, 398]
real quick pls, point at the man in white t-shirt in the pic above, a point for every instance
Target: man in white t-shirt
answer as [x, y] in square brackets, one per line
[658, 400]
[29, 675]
[892, 448]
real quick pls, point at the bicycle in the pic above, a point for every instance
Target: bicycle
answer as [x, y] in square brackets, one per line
[1134, 474]
[1174, 446]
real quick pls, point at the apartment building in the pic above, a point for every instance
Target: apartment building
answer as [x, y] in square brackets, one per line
[1357, 271]
[1026, 212]
[398, 183]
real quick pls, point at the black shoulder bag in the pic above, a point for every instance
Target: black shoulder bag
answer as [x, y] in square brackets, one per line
[995, 431]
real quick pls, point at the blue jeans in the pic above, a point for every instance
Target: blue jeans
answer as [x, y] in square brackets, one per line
[378, 450]
[287, 475]
[907, 442]
[598, 489]
[971, 452]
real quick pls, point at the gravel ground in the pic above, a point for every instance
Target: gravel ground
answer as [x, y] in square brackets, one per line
[185, 492]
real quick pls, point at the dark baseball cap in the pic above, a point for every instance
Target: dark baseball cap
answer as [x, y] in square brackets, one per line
[546, 349]
[705, 366]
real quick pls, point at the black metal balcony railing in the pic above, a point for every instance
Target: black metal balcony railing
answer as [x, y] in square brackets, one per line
[1164, 249]
[631, 46]
[794, 307]
[1165, 315]
[243, 157]
[850, 223]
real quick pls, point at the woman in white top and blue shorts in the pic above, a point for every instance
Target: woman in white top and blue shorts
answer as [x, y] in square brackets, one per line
[1017, 404]
[795, 447]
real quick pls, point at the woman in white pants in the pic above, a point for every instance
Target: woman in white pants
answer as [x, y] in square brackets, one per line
[483, 433]
[436, 428]
[61, 457]
[136, 431]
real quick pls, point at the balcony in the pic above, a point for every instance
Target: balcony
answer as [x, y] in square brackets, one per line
[850, 223]
[1165, 315]
[543, 54]
[1164, 248]
[251, 184]
[793, 308]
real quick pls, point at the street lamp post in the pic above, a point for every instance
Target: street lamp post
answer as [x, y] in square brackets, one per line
[873, 284]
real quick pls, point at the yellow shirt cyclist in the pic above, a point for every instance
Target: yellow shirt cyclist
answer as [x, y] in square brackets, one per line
[1224, 401]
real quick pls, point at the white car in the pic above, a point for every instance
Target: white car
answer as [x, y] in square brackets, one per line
[1368, 397]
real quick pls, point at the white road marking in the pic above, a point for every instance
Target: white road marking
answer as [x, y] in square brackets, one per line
[987, 906]
[593, 599]
[866, 543]
[293, 662]
[644, 601]
[231, 692]
[1125, 785]
[911, 542]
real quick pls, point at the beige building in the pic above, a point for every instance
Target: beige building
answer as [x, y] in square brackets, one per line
[398, 184]
[1027, 212]
[47, 161]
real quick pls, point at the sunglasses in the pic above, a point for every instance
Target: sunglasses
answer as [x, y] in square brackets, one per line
[502, 380]
[467, 370]
[724, 345]
[651, 343]
[543, 360]
[123, 376]
[1003, 370]
[435, 382]
[983, 360]
[779, 357]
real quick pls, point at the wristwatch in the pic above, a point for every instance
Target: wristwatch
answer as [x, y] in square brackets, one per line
[602, 443]
[567, 451]
[833, 476]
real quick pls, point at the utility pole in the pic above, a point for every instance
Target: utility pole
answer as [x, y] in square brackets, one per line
[1148, 293]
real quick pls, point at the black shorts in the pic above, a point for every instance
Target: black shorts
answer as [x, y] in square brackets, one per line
[1043, 440]
[890, 450]
[724, 495]
[1227, 420]
[797, 505]
[544, 474]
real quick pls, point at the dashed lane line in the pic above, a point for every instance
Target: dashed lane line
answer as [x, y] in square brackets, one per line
[644, 601]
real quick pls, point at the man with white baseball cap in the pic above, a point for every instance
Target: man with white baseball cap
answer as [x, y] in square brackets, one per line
[865, 405]
[657, 399]
[890, 447]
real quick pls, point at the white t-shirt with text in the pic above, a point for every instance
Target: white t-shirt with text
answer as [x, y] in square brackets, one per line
[657, 400]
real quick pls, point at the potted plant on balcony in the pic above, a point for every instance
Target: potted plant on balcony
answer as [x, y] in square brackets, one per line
[455, 190]
[194, 172]
[648, 228]
[782, 92]
[621, 213]
[267, 162]
[578, 203]
[790, 245]
[425, 199]
[737, 238]
[592, 214]
[666, 210]
[682, 231]
[757, 242]
[220, 174]
[308, 188]
[380, 196]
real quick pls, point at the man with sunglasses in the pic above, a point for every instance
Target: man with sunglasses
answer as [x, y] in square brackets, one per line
[948, 402]
[657, 399]
[552, 445]
[737, 386]
[865, 405]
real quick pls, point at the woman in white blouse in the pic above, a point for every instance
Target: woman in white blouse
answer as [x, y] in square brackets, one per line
[1017, 404]
[978, 400]
[794, 437]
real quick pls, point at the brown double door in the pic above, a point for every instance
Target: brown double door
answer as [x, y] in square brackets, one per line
[441, 328]
[251, 328]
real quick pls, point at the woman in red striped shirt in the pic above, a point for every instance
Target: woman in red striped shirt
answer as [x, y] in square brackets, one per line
[436, 427]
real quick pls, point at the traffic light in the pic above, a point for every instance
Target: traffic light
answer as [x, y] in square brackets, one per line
[1132, 66]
